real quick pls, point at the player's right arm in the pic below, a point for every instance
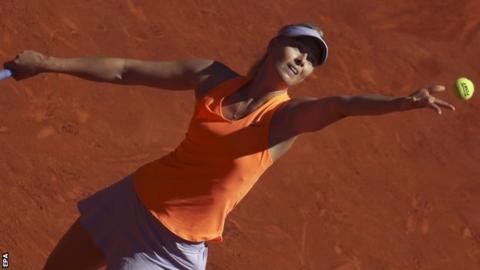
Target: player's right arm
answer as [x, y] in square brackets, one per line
[171, 75]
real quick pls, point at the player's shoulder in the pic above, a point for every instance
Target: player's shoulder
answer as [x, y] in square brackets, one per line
[215, 74]
[293, 103]
[285, 111]
[288, 113]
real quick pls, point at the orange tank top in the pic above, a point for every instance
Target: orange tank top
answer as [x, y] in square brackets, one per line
[192, 189]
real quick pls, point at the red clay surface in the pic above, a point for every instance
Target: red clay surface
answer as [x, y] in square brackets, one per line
[399, 191]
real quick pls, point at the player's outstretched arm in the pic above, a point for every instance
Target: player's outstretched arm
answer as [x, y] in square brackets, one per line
[171, 75]
[375, 104]
[313, 114]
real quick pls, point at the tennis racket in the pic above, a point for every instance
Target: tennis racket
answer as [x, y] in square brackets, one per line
[5, 74]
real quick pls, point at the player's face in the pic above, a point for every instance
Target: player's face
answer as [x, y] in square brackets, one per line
[294, 59]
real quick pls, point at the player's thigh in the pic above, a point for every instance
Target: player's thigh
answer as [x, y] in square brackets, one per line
[75, 250]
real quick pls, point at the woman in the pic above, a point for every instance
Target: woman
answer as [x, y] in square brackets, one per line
[164, 214]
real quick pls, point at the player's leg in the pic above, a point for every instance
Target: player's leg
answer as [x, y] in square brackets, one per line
[75, 250]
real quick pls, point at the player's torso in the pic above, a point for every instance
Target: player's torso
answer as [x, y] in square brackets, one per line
[281, 135]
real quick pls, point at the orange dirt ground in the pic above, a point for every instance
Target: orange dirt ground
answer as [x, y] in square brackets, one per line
[399, 191]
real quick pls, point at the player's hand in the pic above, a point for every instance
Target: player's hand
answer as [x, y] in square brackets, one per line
[26, 64]
[423, 98]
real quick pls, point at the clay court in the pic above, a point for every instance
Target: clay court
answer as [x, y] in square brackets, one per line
[398, 191]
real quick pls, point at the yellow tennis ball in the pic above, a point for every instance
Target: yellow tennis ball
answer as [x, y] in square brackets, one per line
[465, 88]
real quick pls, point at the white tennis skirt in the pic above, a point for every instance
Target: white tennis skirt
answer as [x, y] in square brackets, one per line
[130, 237]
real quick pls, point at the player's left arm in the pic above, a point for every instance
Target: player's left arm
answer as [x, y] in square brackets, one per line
[376, 104]
[313, 114]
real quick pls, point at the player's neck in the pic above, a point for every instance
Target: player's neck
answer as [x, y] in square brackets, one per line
[265, 82]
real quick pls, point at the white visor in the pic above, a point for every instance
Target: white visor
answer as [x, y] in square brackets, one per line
[295, 31]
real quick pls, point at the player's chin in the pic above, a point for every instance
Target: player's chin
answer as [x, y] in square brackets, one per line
[289, 78]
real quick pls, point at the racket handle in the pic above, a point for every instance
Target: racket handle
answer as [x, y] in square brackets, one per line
[4, 74]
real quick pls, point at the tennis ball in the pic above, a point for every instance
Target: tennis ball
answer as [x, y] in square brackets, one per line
[465, 88]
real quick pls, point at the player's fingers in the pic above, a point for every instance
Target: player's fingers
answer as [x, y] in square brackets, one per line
[444, 104]
[435, 107]
[8, 65]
